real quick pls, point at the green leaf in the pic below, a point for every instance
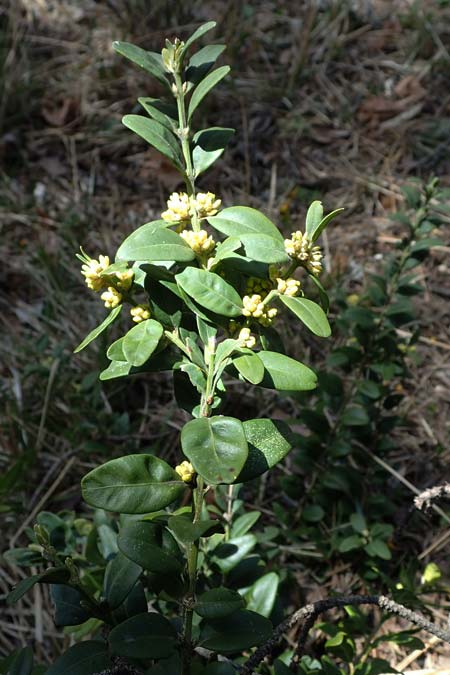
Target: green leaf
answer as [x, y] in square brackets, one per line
[318, 229]
[187, 532]
[358, 522]
[144, 636]
[311, 314]
[313, 218]
[141, 341]
[210, 291]
[216, 447]
[112, 316]
[204, 87]
[120, 576]
[236, 221]
[250, 367]
[262, 595]
[201, 63]
[313, 513]
[68, 608]
[132, 484]
[21, 664]
[350, 543]
[286, 374]
[198, 33]
[379, 549]
[355, 416]
[155, 243]
[162, 112]
[84, 658]
[52, 575]
[142, 542]
[264, 248]
[228, 554]
[159, 136]
[244, 523]
[268, 443]
[238, 631]
[209, 146]
[217, 603]
[149, 61]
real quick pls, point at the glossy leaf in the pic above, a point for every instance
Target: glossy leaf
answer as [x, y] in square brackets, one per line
[209, 146]
[68, 608]
[241, 630]
[217, 603]
[112, 316]
[264, 248]
[210, 291]
[230, 553]
[120, 576]
[84, 658]
[155, 243]
[314, 216]
[236, 221]
[216, 447]
[132, 484]
[187, 532]
[204, 87]
[159, 136]
[318, 229]
[268, 443]
[286, 374]
[261, 596]
[141, 341]
[250, 367]
[149, 61]
[244, 523]
[310, 313]
[142, 542]
[144, 636]
[51, 576]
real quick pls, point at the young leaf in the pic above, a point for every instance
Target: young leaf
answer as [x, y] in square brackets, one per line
[201, 63]
[241, 630]
[209, 146]
[286, 374]
[310, 313]
[53, 575]
[318, 229]
[145, 636]
[157, 135]
[141, 341]
[204, 87]
[112, 316]
[152, 243]
[269, 441]
[236, 221]
[120, 576]
[132, 484]
[142, 542]
[84, 658]
[197, 34]
[150, 61]
[217, 603]
[210, 291]
[216, 447]
[313, 218]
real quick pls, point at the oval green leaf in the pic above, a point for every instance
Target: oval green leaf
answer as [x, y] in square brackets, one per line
[269, 441]
[142, 542]
[157, 135]
[216, 447]
[132, 484]
[204, 87]
[250, 367]
[217, 603]
[236, 221]
[144, 636]
[152, 243]
[286, 374]
[120, 576]
[112, 316]
[310, 313]
[241, 630]
[264, 248]
[149, 61]
[210, 291]
[83, 658]
[141, 341]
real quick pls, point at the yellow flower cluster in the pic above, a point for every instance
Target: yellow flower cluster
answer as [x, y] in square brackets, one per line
[125, 279]
[301, 248]
[290, 287]
[246, 339]
[254, 307]
[180, 207]
[91, 271]
[140, 313]
[111, 298]
[199, 242]
[258, 286]
[186, 471]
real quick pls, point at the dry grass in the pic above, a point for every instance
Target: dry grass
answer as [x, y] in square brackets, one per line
[338, 99]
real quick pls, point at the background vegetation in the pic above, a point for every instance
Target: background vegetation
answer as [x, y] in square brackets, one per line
[343, 101]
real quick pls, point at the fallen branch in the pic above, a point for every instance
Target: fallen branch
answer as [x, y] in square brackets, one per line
[309, 614]
[425, 498]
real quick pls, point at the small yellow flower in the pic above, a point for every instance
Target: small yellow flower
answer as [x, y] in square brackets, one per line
[290, 287]
[199, 242]
[206, 204]
[140, 313]
[186, 471]
[91, 271]
[111, 298]
[352, 299]
[253, 306]
[246, 339]
[178, 208]
[301, 248]
[125, 279]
